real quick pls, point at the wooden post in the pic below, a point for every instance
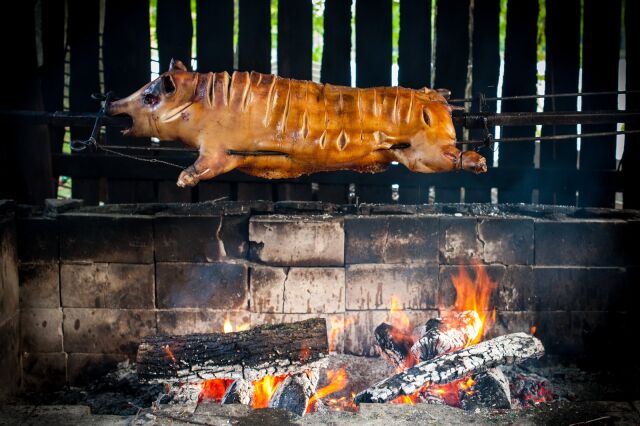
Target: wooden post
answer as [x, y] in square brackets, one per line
[519, 79]
[600, 55]
[452, 56]
[294, 61]
[127, 66]
[632, 142]
[414, 63]
[26, 160]
[562, 69]
[214, 35]
[486, 71]
[336, 69]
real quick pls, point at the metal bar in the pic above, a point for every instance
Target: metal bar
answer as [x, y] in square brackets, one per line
[468, 120]
[552, 138]
[552, 95]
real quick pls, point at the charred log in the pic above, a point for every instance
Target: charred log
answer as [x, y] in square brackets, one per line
[503, 350]
[294, 392]
[394, 344]
[274, 349]
[447, 335]
[239, 392]
[489, 390]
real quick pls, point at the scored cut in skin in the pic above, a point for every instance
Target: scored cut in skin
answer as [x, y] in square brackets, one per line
[275, 128]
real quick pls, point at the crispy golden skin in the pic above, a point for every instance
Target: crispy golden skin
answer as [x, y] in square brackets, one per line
[276, 128]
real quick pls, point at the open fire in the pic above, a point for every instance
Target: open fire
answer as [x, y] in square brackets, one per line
[406, 346]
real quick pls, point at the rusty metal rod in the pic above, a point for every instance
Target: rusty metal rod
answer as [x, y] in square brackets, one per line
[546, 96]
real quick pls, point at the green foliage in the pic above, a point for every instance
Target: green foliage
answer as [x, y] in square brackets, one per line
[395, 30]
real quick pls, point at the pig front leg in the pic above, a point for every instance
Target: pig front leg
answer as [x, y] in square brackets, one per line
[205, 167]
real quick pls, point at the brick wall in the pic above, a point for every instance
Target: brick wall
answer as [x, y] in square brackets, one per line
[93, 281]
[9, 312]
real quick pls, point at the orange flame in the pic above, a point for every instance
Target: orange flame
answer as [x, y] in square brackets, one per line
[397, 316]
[264, 389]
[533, 330]
[169, 353]
[228, 327]
[337, 381]
[475, 296]
[214, 389]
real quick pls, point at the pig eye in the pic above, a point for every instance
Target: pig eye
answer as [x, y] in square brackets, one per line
[150, 99]
[167, 85]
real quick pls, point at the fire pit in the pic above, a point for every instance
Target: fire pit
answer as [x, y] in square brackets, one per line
[218, 306]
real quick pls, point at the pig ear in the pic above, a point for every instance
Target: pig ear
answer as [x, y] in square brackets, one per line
[176, 65]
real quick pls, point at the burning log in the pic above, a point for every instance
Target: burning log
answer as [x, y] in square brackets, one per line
[489, 390]
[239, 392]
[394, 344]
[276, 349]
[447, 335]
[503, 350]
[294, 393]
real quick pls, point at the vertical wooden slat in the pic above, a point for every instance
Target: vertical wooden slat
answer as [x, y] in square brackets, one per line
[561, 76]
[254, 54]
[174, 31]
[254, 37]
[373, 66]
[486, 72]
[127, 67]
[336, 51]
[83, 28]
[414, 44]
[336, 69]
[519, 79]
[414, 61]
[214, 35]
[373, 43]
[452, 56]
[26, 158]
[600, 54]
[52, 69]
[294, 61]
[632, 141]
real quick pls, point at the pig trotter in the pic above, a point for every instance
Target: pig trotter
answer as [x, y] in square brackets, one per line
[190, 176]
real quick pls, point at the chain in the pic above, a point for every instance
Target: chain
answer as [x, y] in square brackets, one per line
[92, 143]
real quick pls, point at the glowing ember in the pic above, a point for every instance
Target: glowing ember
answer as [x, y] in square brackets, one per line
[264, 389]
[343, 403]
[169, 353]
[214, 389]
[475, 296]
[337, 381]
[533, 330]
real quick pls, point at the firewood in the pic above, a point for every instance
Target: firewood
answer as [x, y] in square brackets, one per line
[446, 335]
[294, 392]
[274, 349]
[502, 350]
[489, 390]
[393, 344]
[239, 392]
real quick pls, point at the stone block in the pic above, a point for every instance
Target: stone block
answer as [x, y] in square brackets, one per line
[202, 238]
[10, 356]
[112, 331]
[39, 285]
[187, 321]
[447, 293]
[374, 286]
[458, 240]
[267, 289]
[118, 238]
[297, 240]
[41, 329]
[507, 241]
[107, 285]
[581, 243]
[44, 371]
[314, 290]
[38, 239]
[359, 338]
[391, 239]
[85, 368]
[9, 288]
[202, 285]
